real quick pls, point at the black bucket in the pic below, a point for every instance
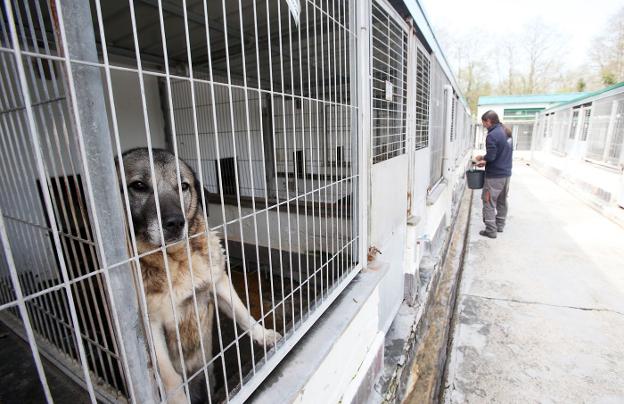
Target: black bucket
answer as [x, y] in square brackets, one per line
[475, 178]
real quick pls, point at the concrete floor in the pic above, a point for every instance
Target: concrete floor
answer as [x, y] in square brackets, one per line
[540, 312]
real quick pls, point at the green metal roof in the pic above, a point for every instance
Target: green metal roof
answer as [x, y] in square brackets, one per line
[588, 95]
[529, 98]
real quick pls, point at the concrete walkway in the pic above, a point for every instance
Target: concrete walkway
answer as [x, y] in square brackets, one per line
[540, 312]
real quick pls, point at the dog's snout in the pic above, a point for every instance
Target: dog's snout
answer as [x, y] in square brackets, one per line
[173, 222]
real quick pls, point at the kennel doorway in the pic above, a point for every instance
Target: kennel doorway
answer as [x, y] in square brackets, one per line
[255, 98]
[389, 159]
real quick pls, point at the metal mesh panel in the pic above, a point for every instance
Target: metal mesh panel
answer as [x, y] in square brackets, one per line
[44, 208]
[538, 130]
[599, 125]
[614, 155]
[249, 160]
[587, 112]
[574, 124]
[259, 107]
[523, 136]
[560, 131]
[453, 118]
[422, 100]
[389, 92]
[436, 137]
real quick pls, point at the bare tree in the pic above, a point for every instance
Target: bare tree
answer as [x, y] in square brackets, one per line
[514, 64]
[503, 57]
[607, 51]
[469, 55]
[542, 55]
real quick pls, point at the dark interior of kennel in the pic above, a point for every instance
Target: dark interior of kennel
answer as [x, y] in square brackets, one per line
[321, 268]
[19, 382]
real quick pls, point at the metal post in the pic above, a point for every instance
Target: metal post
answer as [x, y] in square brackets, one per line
[362, 72]
[410, 140]
[448, 117]
[90, 120]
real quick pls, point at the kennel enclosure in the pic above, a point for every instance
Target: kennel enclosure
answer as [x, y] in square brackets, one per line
[312, 130]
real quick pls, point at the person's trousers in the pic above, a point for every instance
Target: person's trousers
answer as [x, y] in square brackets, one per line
[494, 196]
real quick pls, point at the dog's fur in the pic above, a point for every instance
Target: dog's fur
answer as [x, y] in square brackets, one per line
[207, 262]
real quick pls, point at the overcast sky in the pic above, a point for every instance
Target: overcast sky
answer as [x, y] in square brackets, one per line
[578, 20]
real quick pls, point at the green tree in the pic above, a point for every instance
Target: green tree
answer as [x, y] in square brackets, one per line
[473, 82]
[608, 78]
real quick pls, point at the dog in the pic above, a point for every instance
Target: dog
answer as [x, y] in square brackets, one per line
[207, 261]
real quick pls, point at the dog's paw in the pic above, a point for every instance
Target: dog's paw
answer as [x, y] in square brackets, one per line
[178, 397]
[271, 337]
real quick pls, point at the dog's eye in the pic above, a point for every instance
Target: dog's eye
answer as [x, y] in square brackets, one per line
[185, 186]
[138, 186]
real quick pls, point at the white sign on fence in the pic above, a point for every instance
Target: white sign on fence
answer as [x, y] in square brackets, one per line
[295, 9]
[388, 90]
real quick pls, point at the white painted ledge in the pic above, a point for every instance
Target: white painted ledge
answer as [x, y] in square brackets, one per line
[436, 191]
[330, 356]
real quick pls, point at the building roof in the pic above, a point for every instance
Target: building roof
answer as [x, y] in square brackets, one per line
[585, 96]
[530, 98]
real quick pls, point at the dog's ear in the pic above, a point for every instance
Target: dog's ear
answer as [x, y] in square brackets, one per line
[198, 190]
[200, 193]
[117, 171]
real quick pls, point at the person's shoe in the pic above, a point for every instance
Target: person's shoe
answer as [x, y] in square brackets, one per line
[485, 233]
[499, 229]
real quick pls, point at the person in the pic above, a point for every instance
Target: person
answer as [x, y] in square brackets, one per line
[498, 162]
[509, 134]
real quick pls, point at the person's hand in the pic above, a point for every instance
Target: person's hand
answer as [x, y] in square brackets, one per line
[478, 157]
[481, 163]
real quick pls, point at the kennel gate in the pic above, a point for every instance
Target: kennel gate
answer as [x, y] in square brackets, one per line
[263, 108]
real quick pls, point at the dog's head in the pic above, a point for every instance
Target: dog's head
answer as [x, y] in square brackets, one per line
[142, 197]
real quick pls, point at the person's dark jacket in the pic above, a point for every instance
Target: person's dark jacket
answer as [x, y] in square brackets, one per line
[499, 153]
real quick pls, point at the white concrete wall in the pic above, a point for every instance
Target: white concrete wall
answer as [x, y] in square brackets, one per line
[333, 377]
[417, 232]
[388, 215]
[130, 117]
